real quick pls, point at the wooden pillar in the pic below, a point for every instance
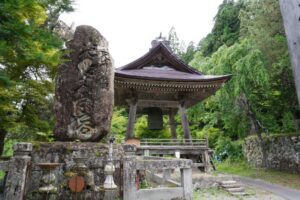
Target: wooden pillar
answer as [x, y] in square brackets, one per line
[172, 125]
[131, 119]
[185, 123]
[206, 161]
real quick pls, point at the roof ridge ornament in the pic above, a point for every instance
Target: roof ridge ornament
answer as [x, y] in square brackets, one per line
[160, 39]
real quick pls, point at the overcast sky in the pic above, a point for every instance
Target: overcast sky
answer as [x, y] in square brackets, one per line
[131, 25]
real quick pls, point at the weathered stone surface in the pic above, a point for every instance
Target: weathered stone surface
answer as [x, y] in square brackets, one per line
[22, 148]
[95, 155]
[84, 88]
[15, 186]
[282, 152]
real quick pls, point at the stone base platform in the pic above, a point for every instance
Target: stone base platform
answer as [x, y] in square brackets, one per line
[65, 153]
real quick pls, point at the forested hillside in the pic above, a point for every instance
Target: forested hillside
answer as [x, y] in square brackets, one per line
[247, 41]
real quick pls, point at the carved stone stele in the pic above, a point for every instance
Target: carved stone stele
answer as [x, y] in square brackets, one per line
[84, 88]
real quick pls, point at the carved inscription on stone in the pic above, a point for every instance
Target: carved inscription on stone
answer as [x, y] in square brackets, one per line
[84, 109]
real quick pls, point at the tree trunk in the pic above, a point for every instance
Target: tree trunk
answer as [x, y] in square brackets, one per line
[2, 138]
[290, 10]
[256, 127]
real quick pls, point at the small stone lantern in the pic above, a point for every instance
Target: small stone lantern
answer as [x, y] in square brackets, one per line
[110, 168]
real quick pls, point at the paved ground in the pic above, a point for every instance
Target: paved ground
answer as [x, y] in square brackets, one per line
[219, 194]
[284, 192]
[256, 189]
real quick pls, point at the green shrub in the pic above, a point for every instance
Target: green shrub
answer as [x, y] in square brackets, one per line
[211, 133]
[288, 122]
[228, 149]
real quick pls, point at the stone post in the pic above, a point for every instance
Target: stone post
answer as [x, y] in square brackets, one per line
[177, 154]
[16, 178]
[187, 183]
[129, 173]
[111, 189]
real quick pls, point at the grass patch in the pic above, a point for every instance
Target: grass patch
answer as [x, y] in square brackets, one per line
[2, 174]
[242, 168]
[210, 194]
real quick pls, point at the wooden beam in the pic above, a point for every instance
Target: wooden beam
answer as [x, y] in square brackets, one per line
[172, 124]
[131, 119]
[290, 10]
[157, 103]
[184, 122]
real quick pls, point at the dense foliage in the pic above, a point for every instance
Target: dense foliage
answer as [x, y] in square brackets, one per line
[29, 56]
[260, 97]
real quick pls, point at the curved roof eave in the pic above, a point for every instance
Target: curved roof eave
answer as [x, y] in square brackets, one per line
[160, 48]
[201, 78]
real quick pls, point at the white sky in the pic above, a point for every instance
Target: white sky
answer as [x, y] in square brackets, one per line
[131, 25]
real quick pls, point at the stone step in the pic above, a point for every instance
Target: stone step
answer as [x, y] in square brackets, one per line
[232, 190]
[233, 185]
[239, 193]
[227, 182]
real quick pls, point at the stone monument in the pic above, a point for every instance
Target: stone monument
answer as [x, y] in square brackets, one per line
[84, 93]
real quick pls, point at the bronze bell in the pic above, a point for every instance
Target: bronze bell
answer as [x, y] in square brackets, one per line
[155, 119]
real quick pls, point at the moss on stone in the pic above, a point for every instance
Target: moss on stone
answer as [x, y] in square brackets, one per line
[70, 174]
[36, 145]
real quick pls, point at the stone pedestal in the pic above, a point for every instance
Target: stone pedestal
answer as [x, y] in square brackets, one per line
[66, 153]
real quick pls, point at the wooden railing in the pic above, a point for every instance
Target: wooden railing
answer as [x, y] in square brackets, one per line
[173, 142]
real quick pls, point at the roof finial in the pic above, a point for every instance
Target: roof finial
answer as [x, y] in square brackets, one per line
[160, 39]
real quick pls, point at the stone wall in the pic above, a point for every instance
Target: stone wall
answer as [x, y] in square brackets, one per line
[64, 154]
[281, 152]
